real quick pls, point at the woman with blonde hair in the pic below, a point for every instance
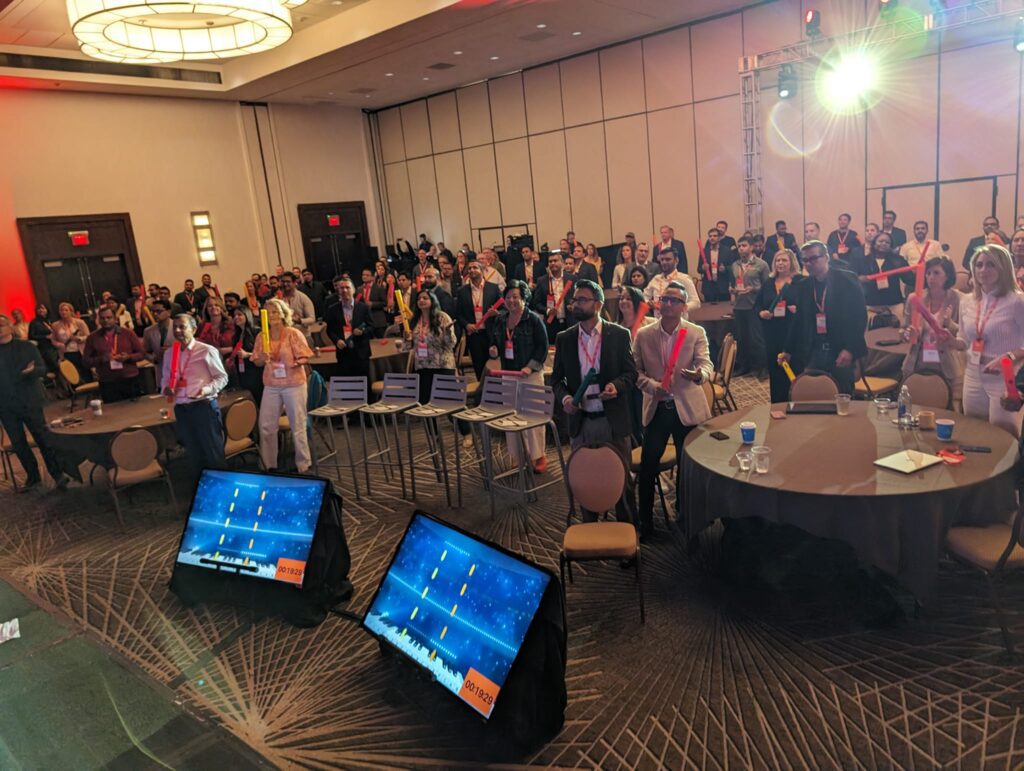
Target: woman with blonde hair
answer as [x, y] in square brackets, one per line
[68, 336]
[284, 384]
[991, 329]
[775, 306]
[219, 328]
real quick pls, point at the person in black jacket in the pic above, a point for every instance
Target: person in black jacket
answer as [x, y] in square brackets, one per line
[715, 266]
[898, 235]
[776, 305]
[373, 292]
[242, 373]
[884, 294]
[553, 296]
[604, 414]
[780, 239]
[827, 331]
[21, 406]
[315, 291]
[348, 327]
[669, 241]
[431, 283]
[187, 299]
[988, 225]
[474, 300]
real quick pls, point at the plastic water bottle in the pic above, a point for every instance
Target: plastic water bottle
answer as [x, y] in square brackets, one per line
[904, 408]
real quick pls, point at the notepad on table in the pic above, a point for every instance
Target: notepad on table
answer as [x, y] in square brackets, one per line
[908, 461]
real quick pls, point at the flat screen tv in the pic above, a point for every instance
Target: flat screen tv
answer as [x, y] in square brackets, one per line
[254, 524]
[458, 607]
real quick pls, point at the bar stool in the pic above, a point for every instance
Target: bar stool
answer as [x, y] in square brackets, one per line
[345, 395]
[535, 407]
[447, 397]
[498, 399]
[400, 394]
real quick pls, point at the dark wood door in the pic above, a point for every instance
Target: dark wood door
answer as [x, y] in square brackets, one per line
[335, 238]
[64, 272]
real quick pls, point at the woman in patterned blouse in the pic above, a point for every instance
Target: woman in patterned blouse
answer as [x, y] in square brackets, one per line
[433, 342]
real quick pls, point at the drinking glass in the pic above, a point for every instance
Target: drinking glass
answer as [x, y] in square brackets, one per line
[842, 404]
[882, 405]
[762, 458]
[744, 458]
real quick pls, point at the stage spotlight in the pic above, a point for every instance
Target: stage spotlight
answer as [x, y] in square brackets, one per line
[812, 23]
[846, 86]
[1018, 35]
[787, 82]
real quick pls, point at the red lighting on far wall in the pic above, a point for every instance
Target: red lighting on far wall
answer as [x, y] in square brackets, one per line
[79, 237]
[333, 221]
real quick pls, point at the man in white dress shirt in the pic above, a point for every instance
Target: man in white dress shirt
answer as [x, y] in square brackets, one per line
[199, 379]
[914, 250]
[668, 261]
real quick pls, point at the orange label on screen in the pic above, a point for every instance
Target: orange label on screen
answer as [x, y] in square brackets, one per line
[291, 571]
[479, 692]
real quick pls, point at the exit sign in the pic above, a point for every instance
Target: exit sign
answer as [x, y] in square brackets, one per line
[333, 220]
[79, 237]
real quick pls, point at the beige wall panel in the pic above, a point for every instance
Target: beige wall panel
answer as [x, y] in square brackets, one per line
[673, 171]
[451, 187]
[962, 207]
[716, 53]
[977, 137]
[444, 122]
[622, 80]
[667, 79]
[516, 185]
[901, 128]
[581, 90]
[425, 207]
[543, 88]
[629, 176]
[834, 171]
[874, 212]
[837, 16]
[482, 186]
[910, 204]
[400, 202]
[551, 188]
[392, 145]
[1005, 202]
[588, 183]
[416, 129]
[506, 94]
[474, 115]
[782, 168]
[771, 26]
[719, 164]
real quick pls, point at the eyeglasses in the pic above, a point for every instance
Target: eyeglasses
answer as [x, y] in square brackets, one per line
[577, 299]
[813, 257]
[667, 298]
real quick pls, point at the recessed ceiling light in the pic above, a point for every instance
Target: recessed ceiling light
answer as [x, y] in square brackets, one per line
[389, 74]
[542, 26]
[426, 78]
[494, 58]
[576, 34]
[336, 2]
[330, 93]
[457, 53]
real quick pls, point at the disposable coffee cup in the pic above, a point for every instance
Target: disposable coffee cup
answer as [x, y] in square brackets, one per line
[747, 430]
[944, 428]
[926, 420]
[97, 407]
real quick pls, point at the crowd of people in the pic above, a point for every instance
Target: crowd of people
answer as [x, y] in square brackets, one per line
[632, 378]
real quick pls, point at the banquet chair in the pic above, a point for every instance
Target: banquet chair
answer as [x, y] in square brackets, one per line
[869, 386]
[400, 393]
[596, 477]
[929, 390]
[447, 397]
[133, 453]
[73, 380]
[813, 388]
[667, 463]
[345, 395]
[239, 424]
[721, 380]
[497, 399]
[993, 550]
[463, 361]
[709, 394]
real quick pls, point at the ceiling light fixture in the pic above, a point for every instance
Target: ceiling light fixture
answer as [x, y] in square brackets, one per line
[457, 53]
[576, 34]
[426, 78]
[494, 58]
[389, 74]
[149, 31]
[542, 26]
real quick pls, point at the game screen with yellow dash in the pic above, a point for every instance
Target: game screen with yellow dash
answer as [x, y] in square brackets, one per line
[458, 607]
[253, 524]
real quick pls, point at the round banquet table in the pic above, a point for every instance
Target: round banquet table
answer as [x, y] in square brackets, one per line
[716, 318]
[822, 479]
[384, 357]
[90, 439]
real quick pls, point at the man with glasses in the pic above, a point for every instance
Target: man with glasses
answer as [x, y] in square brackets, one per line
[668, 261]
[158, 337]
[827, 331]
[672, 363]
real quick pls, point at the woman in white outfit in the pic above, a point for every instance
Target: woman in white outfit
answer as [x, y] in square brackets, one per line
[284, 385]
[991, 328]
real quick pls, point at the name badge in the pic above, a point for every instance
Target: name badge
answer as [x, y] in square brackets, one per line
[510, 352]
[478, 313]
[843, 249]
[739, 279]
[348, 331]
[977, 348]
[714, 272]
[820, 324]
[882, 283]
[241, 365]
[780, 309]
[280, 372]
[421, 349]
[929, 350]
[115, 364]
[551, 302]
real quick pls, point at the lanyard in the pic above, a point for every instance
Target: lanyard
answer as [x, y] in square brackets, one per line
[423, 330]
[821, 305]
[590, 358]
[113, 342]
[183, 366]
[980, 323]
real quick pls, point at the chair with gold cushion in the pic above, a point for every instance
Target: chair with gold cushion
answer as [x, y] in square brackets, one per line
[239, 423]
[868, 386]
[133, 452]
[667, 463]
[722, 379]
[73, 381]
[993, 549]
[813, 388]
[928, 389]
[596, 478]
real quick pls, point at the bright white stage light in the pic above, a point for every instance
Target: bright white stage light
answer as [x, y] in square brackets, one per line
[848, 83]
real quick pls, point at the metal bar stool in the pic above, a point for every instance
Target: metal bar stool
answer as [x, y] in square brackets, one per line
[400, 394]
[345, 395]
[447, 397]
[535, 406]
[498, 399]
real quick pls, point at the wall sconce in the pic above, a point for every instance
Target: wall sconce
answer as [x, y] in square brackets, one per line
[202, 229]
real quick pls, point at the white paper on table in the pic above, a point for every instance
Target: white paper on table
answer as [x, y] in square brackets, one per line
[9, 630]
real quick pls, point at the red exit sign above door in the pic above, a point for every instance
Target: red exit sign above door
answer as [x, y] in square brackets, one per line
[79, 237]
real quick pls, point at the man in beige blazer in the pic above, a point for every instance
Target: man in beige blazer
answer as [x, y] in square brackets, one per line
[671, 412]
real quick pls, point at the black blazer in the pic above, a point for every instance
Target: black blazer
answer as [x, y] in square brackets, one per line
[539, 301]
[899, 237]
[519, 273]
[22, 392]
[893, 295]
[771, 246]
[727, 245]
[444, 300]
[464, 315]
[680, 251]
[846, 317]
[617, 366]
[335, 321]
[852, 241]
[187, 305]
[376, 302]
[716, 290]
[529, 340]
[586, 271]
[973, 244]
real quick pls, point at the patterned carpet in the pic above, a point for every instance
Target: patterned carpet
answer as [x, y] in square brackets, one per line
[717, 678]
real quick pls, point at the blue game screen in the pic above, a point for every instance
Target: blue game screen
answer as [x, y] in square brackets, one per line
[256, 524]
[457, 607]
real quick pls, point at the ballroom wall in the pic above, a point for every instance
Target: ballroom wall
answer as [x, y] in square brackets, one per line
[159, 159]
[648, 133]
